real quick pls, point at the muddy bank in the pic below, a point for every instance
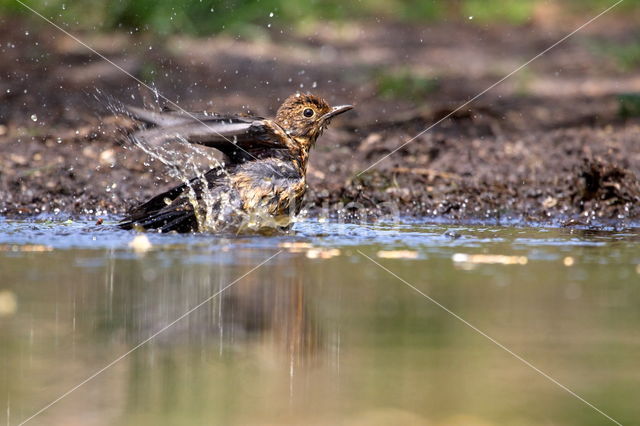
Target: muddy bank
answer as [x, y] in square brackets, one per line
[550, 145]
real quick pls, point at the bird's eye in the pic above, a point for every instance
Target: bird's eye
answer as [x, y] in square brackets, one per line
[308, 112]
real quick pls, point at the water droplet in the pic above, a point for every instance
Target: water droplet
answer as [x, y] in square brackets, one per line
[271, 15]
[34, 117]
[470, 18]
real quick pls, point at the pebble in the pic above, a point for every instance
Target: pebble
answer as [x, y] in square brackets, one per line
[489, 259]
[8, 303]
[322, 253]
[397, 254]
[452, 234]
[141, 244]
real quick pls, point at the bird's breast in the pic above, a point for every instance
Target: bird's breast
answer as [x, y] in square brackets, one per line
[273, 188]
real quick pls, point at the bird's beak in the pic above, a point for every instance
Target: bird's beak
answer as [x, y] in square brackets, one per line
[335, 111]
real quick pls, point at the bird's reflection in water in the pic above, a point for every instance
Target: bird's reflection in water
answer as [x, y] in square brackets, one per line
[272, 309]
[267, 309]
[260, 330]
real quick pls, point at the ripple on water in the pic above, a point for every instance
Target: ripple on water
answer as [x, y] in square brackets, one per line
[63, 233]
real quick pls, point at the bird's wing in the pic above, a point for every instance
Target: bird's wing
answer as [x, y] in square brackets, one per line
[173, 198]
[170, 117]
[231, 138]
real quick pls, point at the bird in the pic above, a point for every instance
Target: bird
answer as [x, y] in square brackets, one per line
[259, 185]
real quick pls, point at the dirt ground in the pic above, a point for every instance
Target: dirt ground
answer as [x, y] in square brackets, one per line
[547, 146]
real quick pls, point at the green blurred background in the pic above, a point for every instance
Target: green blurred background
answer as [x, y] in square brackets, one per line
[204, 17]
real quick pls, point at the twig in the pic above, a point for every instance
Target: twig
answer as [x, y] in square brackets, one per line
[426, 172]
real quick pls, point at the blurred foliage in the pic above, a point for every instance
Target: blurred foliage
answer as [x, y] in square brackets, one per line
[523, 80]
[201, 17]
[629, 105]
[511, 11]
[627, 55]
[405, 84]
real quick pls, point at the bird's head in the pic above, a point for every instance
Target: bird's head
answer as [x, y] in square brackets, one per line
[306, 116]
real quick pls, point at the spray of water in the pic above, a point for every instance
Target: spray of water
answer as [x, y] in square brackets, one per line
[190, 164]
[184, 162]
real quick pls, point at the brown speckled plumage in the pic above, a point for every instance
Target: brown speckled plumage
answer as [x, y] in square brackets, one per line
[263, 180]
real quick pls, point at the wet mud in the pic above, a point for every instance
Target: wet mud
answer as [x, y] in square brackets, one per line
[551, 145]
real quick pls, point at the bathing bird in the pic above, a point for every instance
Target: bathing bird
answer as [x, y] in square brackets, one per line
[261, 181]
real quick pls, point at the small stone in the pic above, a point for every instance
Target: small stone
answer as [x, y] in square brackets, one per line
[488, 259]
[20, 160]
[296, 247]
[140, 244]
[549, 202]
[397, 254]
[107, 157]
[8, 303]
[322, 253]
[452, 234]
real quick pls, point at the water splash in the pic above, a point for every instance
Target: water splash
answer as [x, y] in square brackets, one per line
[193, 165]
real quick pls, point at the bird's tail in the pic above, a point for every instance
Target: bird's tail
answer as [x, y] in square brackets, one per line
[179, 219]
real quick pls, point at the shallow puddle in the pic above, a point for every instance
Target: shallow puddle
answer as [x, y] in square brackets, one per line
[334, 324]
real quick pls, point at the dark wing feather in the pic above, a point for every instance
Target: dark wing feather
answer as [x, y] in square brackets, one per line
[234, 135]
[233, 139]
[156, 204]
[171, 204]
[178, 217]
[167, 118]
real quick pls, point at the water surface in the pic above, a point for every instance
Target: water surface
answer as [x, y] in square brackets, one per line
[319, 334]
